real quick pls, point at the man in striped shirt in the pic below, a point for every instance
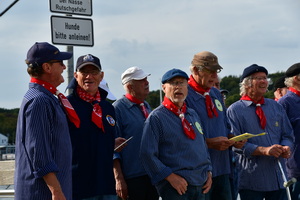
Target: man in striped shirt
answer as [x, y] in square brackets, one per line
[43, 145]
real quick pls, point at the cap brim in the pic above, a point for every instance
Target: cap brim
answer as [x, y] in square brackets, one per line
[88, 63]
[63, 56]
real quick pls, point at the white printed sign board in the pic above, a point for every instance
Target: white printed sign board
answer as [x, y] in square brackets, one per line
[72, 7]
[72, 31]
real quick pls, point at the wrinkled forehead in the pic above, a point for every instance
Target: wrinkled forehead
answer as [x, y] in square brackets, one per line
[260, 74]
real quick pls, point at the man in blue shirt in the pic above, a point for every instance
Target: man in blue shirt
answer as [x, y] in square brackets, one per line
[173, 149]
[291, 104]
[132, 181]
[43, 146]
[260, 176]
[207, 101]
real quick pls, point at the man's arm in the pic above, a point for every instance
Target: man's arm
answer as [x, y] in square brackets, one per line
[54, 186]
[121, 186]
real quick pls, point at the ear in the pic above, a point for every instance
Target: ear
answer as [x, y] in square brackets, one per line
[195, 70]
[163, 86]
[101, 75]
[46, 67]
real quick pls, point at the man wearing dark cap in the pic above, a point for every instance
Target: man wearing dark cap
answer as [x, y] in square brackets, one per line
[173, 149]
[280, 88]
[43, 146]
[93, 141]
[291, 104]
[258, 160]
[132, 181]
[207, 101]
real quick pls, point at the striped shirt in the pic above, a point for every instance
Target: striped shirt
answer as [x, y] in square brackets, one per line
[42, 145]
[165, 148]
[260, 173]
[291, 104]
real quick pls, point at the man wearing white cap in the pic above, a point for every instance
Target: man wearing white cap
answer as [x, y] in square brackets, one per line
[132, 182]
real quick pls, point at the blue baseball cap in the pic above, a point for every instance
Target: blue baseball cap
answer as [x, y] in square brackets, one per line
[88, 59]
[173, 73]
[42, 52]
[253, 69]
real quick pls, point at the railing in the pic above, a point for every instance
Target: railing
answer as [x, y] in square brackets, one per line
[7, 193]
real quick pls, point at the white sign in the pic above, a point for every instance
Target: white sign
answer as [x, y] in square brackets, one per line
[74, 7]
[72, 31]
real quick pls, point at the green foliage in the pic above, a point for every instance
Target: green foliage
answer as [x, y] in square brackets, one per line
[8, 123]
[153, 98]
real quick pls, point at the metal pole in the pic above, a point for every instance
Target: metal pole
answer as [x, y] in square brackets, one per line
[70, 67]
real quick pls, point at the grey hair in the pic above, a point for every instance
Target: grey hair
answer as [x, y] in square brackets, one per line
[125, 86]
[289, 81]
[246, 82]
[198, 67]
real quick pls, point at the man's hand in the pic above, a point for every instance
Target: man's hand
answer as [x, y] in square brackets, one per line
[239, 144]
[219, 143]
[178, 183]
[275, 150]
[121, 188]
[119, 141]
[286, 152]
[206, 187]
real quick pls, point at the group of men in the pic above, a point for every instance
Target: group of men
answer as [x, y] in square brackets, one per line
[68, 147]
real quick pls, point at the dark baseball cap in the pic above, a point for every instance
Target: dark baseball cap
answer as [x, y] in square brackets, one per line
[42, 52]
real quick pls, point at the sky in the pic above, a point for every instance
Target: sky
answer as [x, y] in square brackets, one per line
[156, 35]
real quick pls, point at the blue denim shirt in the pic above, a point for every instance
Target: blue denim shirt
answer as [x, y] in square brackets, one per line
[130, 122]
[165, 148]
[260, 173]
[214, 127]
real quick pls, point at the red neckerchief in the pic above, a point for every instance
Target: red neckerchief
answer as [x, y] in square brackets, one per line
[187, 128]
[294, 91]
[97, 111]
[210, 107]
[259, 111]
[71, 113]
[139, 102]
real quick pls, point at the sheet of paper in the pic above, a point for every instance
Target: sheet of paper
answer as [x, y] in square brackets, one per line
[246, 136]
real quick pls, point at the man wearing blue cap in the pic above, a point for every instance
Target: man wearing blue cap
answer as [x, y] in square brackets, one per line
[43, 146]
[261, 158]
[291, 104]
[94, 139]
[173, 149]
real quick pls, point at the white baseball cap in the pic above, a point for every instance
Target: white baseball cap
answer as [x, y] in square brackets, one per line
[133, 73]
[104, 85]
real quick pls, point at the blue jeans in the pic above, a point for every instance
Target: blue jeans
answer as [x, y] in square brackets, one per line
[167, 192]
[103, 197]
[295, 191]
[258, 195]
[220, 189]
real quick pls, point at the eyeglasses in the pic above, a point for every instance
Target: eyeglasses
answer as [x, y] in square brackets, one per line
[209, 71]
[92, 72]
[56, 61]
[178, 83]
[261, 78]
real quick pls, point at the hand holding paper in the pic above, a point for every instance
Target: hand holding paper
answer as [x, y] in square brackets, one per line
[246, 136]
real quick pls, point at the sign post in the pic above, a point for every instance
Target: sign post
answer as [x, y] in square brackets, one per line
[69, 30]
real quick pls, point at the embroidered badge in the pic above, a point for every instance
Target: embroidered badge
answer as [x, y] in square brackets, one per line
[198, 126]
[110, 120]
[218, 105]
